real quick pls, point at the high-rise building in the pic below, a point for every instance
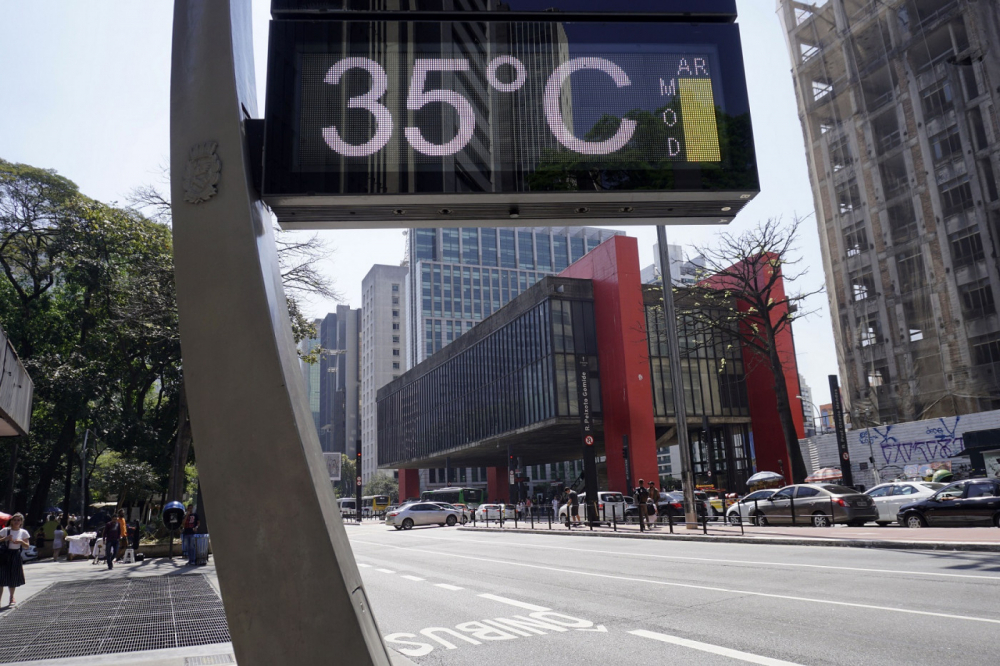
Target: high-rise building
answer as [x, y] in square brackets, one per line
[682, 271]
[458, 277]
[311, 372]
[898, 101]
[339, 336]
[383, 348]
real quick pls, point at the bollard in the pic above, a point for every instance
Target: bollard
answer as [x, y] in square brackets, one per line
[704, 524]
[515, 519]
[831, 510]
[791, 504]
[550, 518]
[604, 511]
[670, 520]
[614, 520]
[756, 513]
[531, 517]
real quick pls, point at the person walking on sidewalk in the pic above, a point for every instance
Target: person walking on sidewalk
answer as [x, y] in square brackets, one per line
[555, 507]
[112, 534]
[12, 539]
[190, 526]
[641, 497]
[572, 507]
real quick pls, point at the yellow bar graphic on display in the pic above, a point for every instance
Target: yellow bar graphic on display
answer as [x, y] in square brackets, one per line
[701, 134]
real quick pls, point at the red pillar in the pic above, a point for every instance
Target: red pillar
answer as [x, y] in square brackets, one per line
[497, 484]
[626, 394]
[409, 484]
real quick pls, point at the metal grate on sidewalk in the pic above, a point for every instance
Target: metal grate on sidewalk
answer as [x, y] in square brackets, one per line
[108, 616]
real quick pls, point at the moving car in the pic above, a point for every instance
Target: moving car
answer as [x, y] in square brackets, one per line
[890, 497]
[422, 513]
[493, 511]
[744, 509]
[813, 503]
[464, 515]
[609, 505]
[963, 503]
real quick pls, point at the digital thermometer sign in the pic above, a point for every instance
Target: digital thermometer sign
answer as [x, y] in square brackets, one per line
[493, 121]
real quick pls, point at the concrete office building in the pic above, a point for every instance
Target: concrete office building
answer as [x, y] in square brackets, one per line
[339, 406]
[383, 346]
[898, 101]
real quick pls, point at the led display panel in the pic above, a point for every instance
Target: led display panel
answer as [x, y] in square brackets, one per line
[494, 121]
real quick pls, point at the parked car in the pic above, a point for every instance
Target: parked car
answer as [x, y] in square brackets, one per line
[813, 503]
[421, 513]
[493, 511]
[744, 508]
[890, 497]
[963, 503]
[609, 504]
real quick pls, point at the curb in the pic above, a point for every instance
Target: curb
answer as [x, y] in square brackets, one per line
[767, 541]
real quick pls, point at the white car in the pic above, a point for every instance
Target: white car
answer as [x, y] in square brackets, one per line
[743, 510]
[492, 511]
[889, 497]
[609, 504]
[422, 513]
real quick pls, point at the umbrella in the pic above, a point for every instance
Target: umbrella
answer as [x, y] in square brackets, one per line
[4, 518]
[825, 474]
[765, 477]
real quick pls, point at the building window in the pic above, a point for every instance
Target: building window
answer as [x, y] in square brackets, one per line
[840, 154]
[395, 326]
[395, 288]
[986, 349]
[855, 239]
[945, 145]
[395, 352]
[395, 300]
[870, 330]
[910, 269]
[426, 244]
[878, 375]
[543, 243]
[470, 246]
[578, 248]
[966, 247]
[863, 285]
[395, 339]
[449, 245]
[955, 197]
[395, 365]
[395, 313]
[919, 317]
[937, 101]
[560, 247]
[488, 240]
[508, 253]
[977, 299]
[902, 222]
[525, 250]
[848, 197]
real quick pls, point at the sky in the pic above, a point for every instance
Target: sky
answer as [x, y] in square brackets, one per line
[86, 91]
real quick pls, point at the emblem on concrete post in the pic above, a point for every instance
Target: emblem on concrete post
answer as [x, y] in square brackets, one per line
[201, 175]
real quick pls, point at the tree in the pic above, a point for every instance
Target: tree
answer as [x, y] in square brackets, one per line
[742, 294]
[382, 484]
[348, 474]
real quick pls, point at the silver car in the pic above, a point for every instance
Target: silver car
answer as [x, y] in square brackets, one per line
[422, 513]
[744, 509]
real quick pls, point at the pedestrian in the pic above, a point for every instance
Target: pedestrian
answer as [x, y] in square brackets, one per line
[123, 534]
[654, 495]
[520, 510]
[641, 497]
[49, 530]
[555, 507]
[12, 539]
[527, 505]
[188, 528]
[135, 533]
[72, 529]
[58, 538]
[573, 507]
[112, 535]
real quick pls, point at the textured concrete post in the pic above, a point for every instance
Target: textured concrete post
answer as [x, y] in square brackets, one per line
[292, 591]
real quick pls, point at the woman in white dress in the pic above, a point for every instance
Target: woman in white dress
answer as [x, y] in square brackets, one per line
[12, 539]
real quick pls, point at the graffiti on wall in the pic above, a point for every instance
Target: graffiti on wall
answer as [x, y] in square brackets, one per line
[938, 442]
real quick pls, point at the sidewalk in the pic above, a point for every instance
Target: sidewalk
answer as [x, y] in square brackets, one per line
[986, 539]
[40, 575]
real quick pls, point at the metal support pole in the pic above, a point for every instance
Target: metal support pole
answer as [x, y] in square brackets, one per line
[83, 481]
[680, 409]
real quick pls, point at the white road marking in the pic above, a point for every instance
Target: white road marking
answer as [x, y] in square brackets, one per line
[723, 561]
[386, 570]
[714, 649]
[691, 586]
[446, 586]
[416, 578]
[515, 602]
[364, 566]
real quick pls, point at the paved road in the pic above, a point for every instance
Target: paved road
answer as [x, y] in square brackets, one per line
[448, 597]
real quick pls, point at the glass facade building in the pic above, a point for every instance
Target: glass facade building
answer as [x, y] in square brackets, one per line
[459, 277]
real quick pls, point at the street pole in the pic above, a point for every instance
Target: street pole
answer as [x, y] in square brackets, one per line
[83, 480]
[676, 381]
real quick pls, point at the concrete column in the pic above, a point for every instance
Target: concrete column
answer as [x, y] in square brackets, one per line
[409, 484]
[497, 484]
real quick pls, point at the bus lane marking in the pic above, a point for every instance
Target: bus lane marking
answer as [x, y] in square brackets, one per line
[477, 632]
[388, 571]
[446, 586]
[515, 602]
[414, 578]
[713, 649]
